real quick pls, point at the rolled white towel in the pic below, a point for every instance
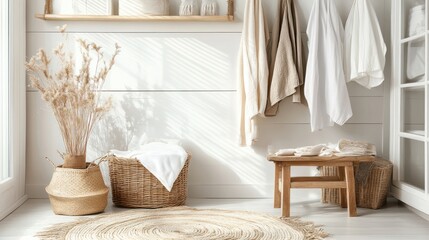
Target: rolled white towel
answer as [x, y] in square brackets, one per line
[209, 8]
[309, 150]
[188, 8]
[285, 152]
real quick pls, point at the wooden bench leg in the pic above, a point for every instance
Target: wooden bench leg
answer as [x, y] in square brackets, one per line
[343, 198]
[277, 196]
[286, 191]
[351, 196]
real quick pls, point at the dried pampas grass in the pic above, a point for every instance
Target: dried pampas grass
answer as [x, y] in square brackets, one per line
[73, 91]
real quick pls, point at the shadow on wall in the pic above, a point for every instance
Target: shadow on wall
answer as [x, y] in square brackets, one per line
[175, 92]
[216, 158]
[122, 127]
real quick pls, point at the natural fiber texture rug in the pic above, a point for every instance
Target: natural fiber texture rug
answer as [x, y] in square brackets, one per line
[184, 223]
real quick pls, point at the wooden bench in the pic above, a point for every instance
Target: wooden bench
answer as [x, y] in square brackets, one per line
[344, 181]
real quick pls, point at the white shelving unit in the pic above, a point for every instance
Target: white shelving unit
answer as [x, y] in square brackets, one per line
[409, 105]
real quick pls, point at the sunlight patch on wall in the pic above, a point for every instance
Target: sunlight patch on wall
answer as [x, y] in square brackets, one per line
[164, 62]
[204, 122]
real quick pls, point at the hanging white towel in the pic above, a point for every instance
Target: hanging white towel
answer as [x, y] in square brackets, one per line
[325, 88]
[365, 50]
[286, 60]
[164, 161]
[253, 70]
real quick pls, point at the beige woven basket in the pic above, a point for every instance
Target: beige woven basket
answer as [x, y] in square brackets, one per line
[373, 194]
[134, 186]
[77, 191]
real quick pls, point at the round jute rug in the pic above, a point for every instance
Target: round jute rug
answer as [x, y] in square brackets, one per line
[184, 223]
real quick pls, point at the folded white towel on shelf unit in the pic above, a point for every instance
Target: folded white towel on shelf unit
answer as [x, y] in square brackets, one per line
[416, 49]
[344, 147]
[355, 148]
[164, 161]
[329, 150]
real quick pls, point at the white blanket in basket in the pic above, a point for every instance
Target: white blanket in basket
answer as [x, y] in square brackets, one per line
[164, 161]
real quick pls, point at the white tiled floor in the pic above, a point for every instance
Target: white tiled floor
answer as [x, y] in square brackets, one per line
[392, 222]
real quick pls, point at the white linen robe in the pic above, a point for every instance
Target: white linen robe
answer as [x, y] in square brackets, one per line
[253, 70]
[365, 49]
[325, 88]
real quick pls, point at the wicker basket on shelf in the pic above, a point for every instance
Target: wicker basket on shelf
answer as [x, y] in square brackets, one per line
[134, 186]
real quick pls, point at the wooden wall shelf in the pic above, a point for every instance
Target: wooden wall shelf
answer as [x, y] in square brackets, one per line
[55, 17]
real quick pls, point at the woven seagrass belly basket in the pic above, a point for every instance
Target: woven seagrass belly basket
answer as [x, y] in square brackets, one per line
[77, 191]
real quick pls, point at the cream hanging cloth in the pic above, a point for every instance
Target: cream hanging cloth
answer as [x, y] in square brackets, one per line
[365, 49]
[325, 87]
[253, 70]
[285, 60]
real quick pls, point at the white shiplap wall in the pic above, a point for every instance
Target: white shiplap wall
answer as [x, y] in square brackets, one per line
[177, 80]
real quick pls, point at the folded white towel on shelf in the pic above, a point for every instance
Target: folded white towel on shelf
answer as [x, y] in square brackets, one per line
[344, 147]
[164, 161]
[355, 148]
[309, 150]
[329, 150]
[285, 152]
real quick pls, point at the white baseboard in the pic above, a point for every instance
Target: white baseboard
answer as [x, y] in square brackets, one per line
[419, 203]
[417, 212]
[18, 203]
[216, 191]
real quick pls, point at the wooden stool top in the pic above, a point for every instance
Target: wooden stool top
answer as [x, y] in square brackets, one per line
[317, 159]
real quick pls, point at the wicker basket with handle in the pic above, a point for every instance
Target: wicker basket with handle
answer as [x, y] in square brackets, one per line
[77, 192]
[134, 186]
[373, 194]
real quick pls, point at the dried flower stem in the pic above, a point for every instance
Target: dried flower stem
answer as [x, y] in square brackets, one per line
[73, 91]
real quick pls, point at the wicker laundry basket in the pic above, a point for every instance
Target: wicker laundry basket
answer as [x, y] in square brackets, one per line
[134, 186]
[372, 194]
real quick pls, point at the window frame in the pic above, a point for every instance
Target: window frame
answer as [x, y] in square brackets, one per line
[12, 189]
[4, 92]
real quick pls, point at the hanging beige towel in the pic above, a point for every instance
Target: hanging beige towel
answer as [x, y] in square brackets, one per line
[286, 62]
[253, 70]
